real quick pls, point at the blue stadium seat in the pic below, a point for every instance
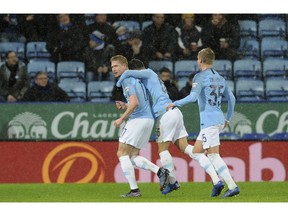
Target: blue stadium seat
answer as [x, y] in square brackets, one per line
[224, 68]
[17, 47]
[157, 65]
[99, 91]
[184, 68]
[106, 88]
[280, 136]
[273, 47]
[248, 89]
[255, 136]
[35, 66]
[277, 89]
[248, 28]
[249, 48]
[247, 68]
[75, 89]
[182, 83]
[276, 16]
[129, 24]
[272, 28]
[37, 49]
[70, 69]
[275, 67]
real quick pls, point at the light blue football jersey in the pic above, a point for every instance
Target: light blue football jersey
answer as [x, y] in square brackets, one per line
[155, 86]
[208, 88]
[132, 86]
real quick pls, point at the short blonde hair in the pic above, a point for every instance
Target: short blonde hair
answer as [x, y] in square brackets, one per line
[207, 55]
[122, 59]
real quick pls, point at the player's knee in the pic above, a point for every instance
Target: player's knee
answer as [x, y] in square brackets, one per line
[122, 152]
[163, 146]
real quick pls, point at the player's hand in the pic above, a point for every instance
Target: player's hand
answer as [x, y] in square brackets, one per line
[120, 105]
[226, 124]
[118, 122]
[171, 105]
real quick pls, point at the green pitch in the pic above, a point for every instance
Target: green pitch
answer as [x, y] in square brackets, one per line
[110, 192]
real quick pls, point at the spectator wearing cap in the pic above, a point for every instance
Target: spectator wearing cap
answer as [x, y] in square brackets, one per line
[189, 38]
[133, 48]
[97, 56]
[66, 41]
[103, 26]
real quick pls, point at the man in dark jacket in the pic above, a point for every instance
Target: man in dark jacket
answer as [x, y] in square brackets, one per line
[165, 76]
[42, 91]
[67, 41]
[159, 39]
[14, 78]
[223, 36]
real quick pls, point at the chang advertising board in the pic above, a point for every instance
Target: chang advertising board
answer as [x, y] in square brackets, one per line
[95, 121]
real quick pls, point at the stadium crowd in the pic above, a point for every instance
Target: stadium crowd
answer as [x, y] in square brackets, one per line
[94, 38]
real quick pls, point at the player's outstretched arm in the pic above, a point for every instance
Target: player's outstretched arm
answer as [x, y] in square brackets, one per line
[231, 102]
[138, 74]
[121, 105]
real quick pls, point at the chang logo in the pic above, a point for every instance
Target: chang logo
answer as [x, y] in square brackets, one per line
[73, 162]
[27, 126]
[239, 124]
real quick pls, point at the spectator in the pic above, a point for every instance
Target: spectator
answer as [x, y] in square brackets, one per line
[133, 48]
[185, 91]
[9, 29]
[14, 78]
[67, 41]
[189, 37]
[35, 27]
[103, 26]
[41, 90]
[97, 57]
[165, 76]
[122, 35]
[222, 36]
[159, 39]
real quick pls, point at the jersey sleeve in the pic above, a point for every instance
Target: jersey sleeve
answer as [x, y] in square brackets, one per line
[231, 101]
[129, 86]
[138, 74]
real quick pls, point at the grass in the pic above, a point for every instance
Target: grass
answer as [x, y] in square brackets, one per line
[109, 192]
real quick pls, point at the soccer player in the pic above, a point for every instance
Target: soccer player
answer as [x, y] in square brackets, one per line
[208, 88]
[170, 125]
[137, 131]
